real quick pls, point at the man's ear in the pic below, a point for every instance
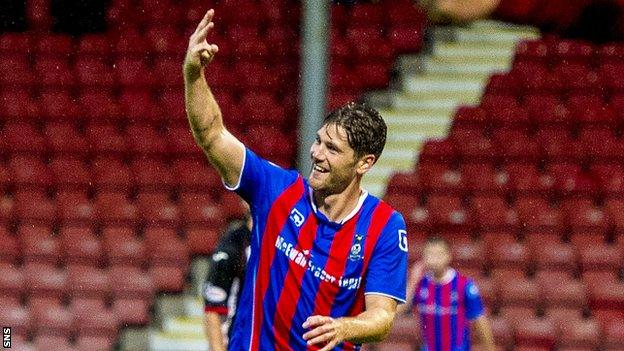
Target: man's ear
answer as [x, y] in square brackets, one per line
[365, 163]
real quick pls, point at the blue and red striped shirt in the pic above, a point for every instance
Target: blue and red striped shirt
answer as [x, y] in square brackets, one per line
[303, 264]
[446, 309]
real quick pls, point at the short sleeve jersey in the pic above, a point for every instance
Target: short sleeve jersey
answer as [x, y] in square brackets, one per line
[302, 264]
[445, 310]
[226, 273]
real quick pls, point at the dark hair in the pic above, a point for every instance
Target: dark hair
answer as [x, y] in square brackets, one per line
[365, 128]
[438, 240]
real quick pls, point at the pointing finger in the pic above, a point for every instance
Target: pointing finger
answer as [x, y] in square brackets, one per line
[205, 20]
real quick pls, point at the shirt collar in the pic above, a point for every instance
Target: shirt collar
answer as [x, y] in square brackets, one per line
[363, 196]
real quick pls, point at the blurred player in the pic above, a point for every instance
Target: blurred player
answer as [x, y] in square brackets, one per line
[446, 301]
[224, 283]
[328, 261]
[595, 20]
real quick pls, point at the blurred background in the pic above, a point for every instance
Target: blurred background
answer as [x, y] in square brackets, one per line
[504, 138]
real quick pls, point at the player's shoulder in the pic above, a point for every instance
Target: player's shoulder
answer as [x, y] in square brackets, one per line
[395, 218]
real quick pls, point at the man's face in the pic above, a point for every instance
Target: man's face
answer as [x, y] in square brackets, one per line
[436, 257]
[334, 165]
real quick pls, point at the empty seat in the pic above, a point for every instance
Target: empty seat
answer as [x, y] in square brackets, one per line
[19, 104]
[536, 214]
[133, 72]
[94, 342]
[606, 294]
[157, 209]
[60, 105]
[195, 175]
[553, 255]
[200, 209]
[29, 172]
[492, 213]
[115, 208]
[99, 106]
[145, 140]
[18, 317]
[22, 138]
[64, 138]
[81, 245]
[123, 247]
[525, 179]
[168, 278]
[70, 173]
[520, 292]
[9, 247]
[565, 293]
[38, 244]
[516, 146]
[105, 139]
[536, 332]
[405, 329]
[131, 311]
[448, 212]
[33, 207]
[54, 72]
[137, 105]
[441, 178]
[94, 72]
[609, 181]
[131, 282]
[181, 142]
[613, 333]
[74, 207]
[601, 257]
[580, 333]
[151, 174]
[11, 282]
[583, 216]
[111, 173]
[201, 240]
[44, 280]
[165, 247]
[52, 319]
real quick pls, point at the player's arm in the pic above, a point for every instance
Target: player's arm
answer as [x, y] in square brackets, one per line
[372, 325]
[224, 151]
[212, 326]
[415, 276]
[482, 327]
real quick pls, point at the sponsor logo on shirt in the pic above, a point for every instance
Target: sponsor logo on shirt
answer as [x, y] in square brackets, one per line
[214, 293]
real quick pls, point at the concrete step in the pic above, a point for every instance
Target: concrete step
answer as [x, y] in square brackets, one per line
[411, 101]
[183, 325]
[159, 341]
[443, 86]
[460, 50]
[434, 65]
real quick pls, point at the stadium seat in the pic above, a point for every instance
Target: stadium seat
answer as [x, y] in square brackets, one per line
[88, 282]
[520, 292]
[54, 72]
[52, 342]
[448, 212]
[132, 311]
[535, 332]
[105, 140]
[615, 210]
[94, 72]
[151, 174]
[123, 247]
[547, 110]
[145, 140]
[74, 207]
[156, 208]
[18, 104]
[99, 107]
[131, 282]
[524, 179]
[70, 173]
[613, 333]
[97, 45]
[38, 244]
[133, 73]
[492, 213]
[94, 343]
[438, 151]
[53, 45]
[515, 146]
[115, 208]
[52, 319]
[201, 240]
[168, 278]
[9, 247]
[17, 316]
[552, 255]
[60, 105]
[11, 282]
[441, 178]
[483, 179]
[606, 294]
[22, 138]
[404, 182]
[501, 330]
[137, 105]
[25, 171]
[580, 333]
[165, 247]
[469, 254]
[200, 209]
[81, 246]
[44, 280]
[565, 293]
[601, 257]
[110, 173]
[172, 109]
[15, 72]
[583, 216]
[610, 183]
[195, 175]
[536, 214]
[473, 147]
[406, 328]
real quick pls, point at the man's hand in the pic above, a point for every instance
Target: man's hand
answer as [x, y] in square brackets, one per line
[199, 52]
[325, 331]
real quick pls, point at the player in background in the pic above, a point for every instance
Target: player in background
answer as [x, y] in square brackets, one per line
[224, 282]
[328, 261]
[447, 302]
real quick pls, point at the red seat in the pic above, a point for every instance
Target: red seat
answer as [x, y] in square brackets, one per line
[535, 332]
[133, 72]
[583, 216]
[532, 51]
[99, 106]
[21, 138]
[90, 282]
[181, 142]
[131, 282]
[201, 240]
[536, 215]
[9, 247]
[132, 311]
[54, 45]
[168, 72]
[601, 257]
[105, 139]
[404, 183]
[39, 245]
[70, 173]
[94, 72]
[470, 117]
[553, 255]
[157, 208]
[11, 282]
[580, 333]
[115, 208]
[502, 83]
[557, 145]
[200, 210]
[151, 174]
[54, 72]
[165, 40]
[441, 178]
[74, 207]
[440, 151]
[492, 213]
[564, 293]
[575, 51]
[501, 330]
[94, 343]
[94, 45]
[448, 212]
[15, 71]
[505, 251]
[29, 172]
[53, 342]
[613, 333]
[606, 294]
[19, 104]
[172, 107]
[138, 105]
[406, 39]
[547, 110]
[60, 105]
[123, 247]
[111, 173]
[609, 75]
[473, 146]
[64, 138]
[576, 78]
[16, 43]
[516, 146]
[169, 278]
[81, 246]
[145, 140]
[102, 323]
[52, 319]
[43, 280]
[615, 210]
[609, 180]
[196, 175]
[533, 78]
[468, 254]
[17, 316]
[165, 247]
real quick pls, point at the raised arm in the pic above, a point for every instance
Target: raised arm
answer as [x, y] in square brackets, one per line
[224, 151]
[372, 325]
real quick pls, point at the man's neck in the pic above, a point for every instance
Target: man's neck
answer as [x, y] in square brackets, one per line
[440, 277]
[338, 206]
